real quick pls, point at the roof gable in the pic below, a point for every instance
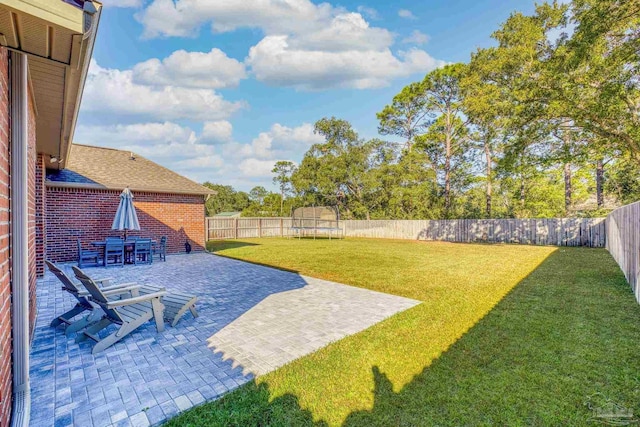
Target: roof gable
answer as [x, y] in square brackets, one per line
[106, 168]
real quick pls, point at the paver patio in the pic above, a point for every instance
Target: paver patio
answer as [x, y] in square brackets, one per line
[252, 320]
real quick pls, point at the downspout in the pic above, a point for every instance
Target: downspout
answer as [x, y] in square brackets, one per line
[19, 240]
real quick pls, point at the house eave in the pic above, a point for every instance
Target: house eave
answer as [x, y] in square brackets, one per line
[58, 39]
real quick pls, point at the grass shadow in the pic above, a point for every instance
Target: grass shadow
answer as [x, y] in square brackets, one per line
[215, 246]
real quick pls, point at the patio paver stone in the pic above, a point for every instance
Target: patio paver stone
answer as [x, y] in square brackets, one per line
[253, 319]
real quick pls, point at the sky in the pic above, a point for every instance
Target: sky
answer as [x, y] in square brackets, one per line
[219, 91]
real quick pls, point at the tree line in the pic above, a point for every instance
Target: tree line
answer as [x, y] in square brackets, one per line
[544, 124]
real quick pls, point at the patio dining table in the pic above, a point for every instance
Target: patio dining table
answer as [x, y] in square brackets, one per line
[128, 248]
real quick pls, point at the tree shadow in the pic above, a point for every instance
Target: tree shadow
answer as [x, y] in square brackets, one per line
[537, 358]
[251, 405]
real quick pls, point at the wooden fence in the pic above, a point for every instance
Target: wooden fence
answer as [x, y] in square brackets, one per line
[556, 231]
[623, 242]
[245, 228]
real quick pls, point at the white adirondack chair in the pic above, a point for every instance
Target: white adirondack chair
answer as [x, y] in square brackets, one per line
[128, 313]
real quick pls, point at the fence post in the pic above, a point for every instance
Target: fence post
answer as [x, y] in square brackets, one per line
[259, 227]
[281, 227]
[235, 234]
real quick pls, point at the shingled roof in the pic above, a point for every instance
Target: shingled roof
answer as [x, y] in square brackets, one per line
[107, 168]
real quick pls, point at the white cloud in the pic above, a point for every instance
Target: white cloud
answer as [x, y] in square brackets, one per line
[315, 26]
[209, 70]
[369, 12]
[141, 134]
[216, 132]
[280, 143]
[254, 168]
[275, 62]
[155, 140]
[257, 159]
[416, 37]
[115, 91]
[169, 144]
[306, 45]
[191, 166]
[182, 150]
[345, 32]
[407, 14]
[183, 18]
[123, 3]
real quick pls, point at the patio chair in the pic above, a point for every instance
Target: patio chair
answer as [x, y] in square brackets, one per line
[114, 250]
[127, 313]
[142, 251]
[83, 302]
[161, 248]
[93, 257]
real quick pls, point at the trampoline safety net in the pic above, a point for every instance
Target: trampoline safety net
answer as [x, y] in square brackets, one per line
[316, 221]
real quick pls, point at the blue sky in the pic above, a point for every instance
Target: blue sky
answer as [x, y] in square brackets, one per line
[220, 90]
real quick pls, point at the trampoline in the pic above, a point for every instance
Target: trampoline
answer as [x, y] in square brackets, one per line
[316, 221]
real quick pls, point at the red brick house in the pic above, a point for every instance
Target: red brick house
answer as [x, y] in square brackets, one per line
[52, 192]
[82, 199]
[45, 49]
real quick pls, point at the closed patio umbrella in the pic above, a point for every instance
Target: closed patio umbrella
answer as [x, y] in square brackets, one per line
[126, 218]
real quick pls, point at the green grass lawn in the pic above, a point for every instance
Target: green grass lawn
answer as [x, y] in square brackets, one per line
[505, 335]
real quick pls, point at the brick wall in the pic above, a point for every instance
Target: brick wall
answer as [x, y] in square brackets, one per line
[73, 214]
[5, 284]
[41, 235]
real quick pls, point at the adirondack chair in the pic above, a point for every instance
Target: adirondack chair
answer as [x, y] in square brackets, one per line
[83, 302]
[127, 313]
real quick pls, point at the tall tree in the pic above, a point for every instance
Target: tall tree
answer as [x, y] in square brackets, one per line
[226, 200]
[408, 115]
[486, 134]
[257, 194]
[283, 170]
[448, 134]
[594, 71]
[339, 170]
